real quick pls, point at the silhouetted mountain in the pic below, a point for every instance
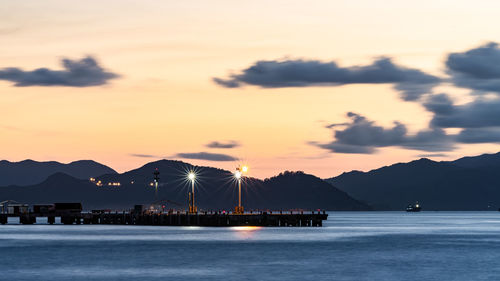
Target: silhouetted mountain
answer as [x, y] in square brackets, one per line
[29, 172]
[215, 189]
[64, 188]
[469, 183]
[489, 161]
[307, 191]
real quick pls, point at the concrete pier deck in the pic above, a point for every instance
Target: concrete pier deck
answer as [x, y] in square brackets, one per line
[265, 219]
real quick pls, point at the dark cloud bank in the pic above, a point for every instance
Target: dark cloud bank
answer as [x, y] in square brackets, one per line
[364, 136]
[206, 156]
[194, 155]
[477, 69]
[76, 73]
[481, 113]
[412, 83]
[228, 144]
[144, 155]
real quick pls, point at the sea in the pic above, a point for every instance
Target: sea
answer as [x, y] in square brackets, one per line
[355, 246]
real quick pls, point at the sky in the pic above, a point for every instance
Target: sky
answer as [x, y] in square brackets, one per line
[318, 86]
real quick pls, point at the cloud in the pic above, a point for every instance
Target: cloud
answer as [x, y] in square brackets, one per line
[228, 83]
[477, 69]
[479, 135]
[479, 119]
[412, 83]
[432, 139]
[363, 136]
[362, 132]
[344, 148]
[206, 156]
[76, 73]
[479, 113]
[333, 125]
[439, 104]
[228, 144]
[144, 155]
[432, 155]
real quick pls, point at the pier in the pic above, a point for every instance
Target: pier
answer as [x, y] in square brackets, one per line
[214, 219]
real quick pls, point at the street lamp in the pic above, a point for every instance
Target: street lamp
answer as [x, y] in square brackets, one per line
[238, 175]
[192, 207]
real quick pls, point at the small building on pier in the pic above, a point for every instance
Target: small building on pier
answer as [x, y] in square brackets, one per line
[12, 207]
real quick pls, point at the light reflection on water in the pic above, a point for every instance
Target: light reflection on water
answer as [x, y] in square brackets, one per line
[350, 246]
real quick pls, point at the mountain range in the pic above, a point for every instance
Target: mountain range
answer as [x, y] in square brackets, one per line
[29, 172]
[469, 183]
[215, 189]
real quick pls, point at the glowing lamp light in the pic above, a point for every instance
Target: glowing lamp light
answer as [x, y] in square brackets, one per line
[237, 175]
[191, 176]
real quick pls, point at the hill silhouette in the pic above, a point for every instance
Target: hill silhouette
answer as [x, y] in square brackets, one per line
[29, 172]
[469, 183]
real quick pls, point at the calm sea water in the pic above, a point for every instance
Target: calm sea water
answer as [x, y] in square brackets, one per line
[350, 246]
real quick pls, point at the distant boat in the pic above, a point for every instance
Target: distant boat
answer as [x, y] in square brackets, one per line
[414, 208]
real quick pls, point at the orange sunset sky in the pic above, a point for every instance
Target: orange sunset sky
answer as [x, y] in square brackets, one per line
[152, 94]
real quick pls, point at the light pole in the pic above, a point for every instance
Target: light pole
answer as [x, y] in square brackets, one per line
[192, 207]
[156, 174]
[238, 175]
